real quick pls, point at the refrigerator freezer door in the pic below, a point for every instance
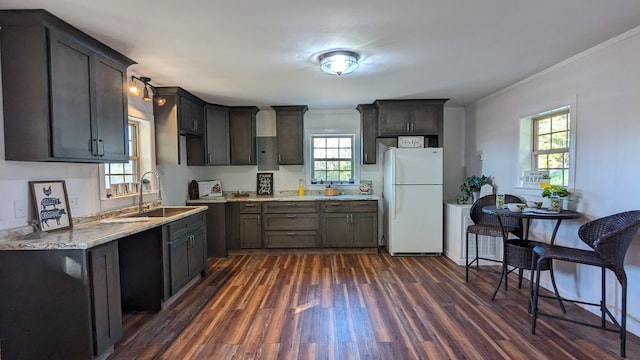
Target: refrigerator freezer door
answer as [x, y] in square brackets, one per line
[417, 166]
[415, 219]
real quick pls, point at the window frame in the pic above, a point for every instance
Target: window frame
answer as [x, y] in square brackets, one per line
[312, 159]
[133, 143]
[536, 151]
[525, 142]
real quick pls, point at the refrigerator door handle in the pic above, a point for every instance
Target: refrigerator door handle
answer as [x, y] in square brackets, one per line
[395, 202]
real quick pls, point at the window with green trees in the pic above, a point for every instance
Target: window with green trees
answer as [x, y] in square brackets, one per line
[332, 159]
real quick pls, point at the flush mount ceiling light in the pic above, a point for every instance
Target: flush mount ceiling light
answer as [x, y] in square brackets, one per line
[339, 62]
[135, 90]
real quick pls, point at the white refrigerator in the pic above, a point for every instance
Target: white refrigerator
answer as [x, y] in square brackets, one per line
[413, 201]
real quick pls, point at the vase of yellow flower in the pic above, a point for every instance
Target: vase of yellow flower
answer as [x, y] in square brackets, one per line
[555, 193]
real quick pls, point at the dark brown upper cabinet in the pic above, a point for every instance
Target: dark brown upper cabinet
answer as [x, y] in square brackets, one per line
[368, 132]
[242, 135]
[217, 130]
[182, 114]
[411, 117]
[64, 92]
[290, 134]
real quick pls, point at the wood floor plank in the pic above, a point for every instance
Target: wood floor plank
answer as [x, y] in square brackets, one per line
[356, 306]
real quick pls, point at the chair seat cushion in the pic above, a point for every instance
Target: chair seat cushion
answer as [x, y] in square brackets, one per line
[488, 230]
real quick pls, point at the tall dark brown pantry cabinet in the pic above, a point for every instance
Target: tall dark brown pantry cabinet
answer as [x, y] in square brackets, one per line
[64, 91]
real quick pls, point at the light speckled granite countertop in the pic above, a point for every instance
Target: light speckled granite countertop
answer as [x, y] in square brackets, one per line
[283, 197]
[90, 234]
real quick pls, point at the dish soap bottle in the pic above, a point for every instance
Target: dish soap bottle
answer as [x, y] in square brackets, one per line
[300, 187]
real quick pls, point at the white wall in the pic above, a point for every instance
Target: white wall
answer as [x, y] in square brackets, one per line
[605, 84]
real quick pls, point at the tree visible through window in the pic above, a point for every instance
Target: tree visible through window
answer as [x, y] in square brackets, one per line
[124, 173]
[332, 159]
[551, 133]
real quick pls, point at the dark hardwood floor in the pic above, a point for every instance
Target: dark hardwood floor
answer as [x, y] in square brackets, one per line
[356, 306]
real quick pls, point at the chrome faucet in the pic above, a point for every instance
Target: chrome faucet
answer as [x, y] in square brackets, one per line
[140, 202]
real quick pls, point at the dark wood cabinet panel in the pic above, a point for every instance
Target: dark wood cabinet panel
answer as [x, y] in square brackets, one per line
[187, 250]
[217, 130]
[290, 134]
[242, 135]
[75, 91]
[411, 117]
[105, 291]
[349, 223]
[250, 231]
[369, 132]
[182, 114]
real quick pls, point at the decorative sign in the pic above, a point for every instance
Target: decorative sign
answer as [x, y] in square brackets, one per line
[51, 204]
[265, 184]
[532, 179]
[410, 141]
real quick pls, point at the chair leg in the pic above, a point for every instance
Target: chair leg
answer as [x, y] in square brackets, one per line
[477, 256]
[555, 287]
[466, 259]
[603, 301]
[534, 306]
[623, 321]
[520, 271]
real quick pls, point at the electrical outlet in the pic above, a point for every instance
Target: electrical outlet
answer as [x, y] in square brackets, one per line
[73, 202]
[19, 208]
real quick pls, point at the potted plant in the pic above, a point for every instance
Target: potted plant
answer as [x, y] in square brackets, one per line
[470, 188]
[554, 193]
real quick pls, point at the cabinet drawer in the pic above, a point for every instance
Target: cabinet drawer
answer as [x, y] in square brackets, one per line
[335, 206]
[250, 208]
[364, 206]
[290, 207]
[290, 222]
[291, 239]
[182, 227]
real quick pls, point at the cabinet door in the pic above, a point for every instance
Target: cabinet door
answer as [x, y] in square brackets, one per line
[218, 137]
[72, 132]
[290, 134]
[365, 229]
[179, 263]
[369, 127]
[191, 117]
[336, 230]
[393, 119]
[242, 136]
[425, 119]
[105, 293]
[197, 253]
[250, 231]
[111, 110]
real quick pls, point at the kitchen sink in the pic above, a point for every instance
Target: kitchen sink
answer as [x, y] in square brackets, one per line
[161, 212]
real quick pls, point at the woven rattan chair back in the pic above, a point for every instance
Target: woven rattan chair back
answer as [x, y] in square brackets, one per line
[480, 218]
[610, 238]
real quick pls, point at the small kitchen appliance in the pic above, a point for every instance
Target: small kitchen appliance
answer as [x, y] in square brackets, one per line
[209, 189]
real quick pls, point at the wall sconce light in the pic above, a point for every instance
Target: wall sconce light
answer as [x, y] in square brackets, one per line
[135, 90]
[339, 62]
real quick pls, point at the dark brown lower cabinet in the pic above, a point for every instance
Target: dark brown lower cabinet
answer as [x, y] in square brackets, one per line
[105, 294]
[59, 304]
[187, 251]
[250, 231]
[349, 223]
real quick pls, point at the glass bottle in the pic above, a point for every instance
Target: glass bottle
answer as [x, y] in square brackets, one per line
[300, 187]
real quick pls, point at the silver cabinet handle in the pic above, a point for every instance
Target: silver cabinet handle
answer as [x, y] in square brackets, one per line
[292, 233]
[335, 204]
[209, 157]
[407, 126]
[259, 219]
[292, 216]
[366, 157]
[279, 158]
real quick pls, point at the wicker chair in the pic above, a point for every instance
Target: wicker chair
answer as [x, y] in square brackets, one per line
[488, 225]
[609, 237]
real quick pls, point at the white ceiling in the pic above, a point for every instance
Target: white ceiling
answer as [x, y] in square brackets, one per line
[264, 52]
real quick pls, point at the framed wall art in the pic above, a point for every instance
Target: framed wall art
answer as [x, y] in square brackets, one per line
[265, 184]
[51, 204]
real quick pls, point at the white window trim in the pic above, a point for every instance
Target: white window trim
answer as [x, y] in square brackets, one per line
[525, 146]
[146, 159]
[331, 132]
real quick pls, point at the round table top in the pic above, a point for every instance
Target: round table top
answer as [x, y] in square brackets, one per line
[532, 213]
